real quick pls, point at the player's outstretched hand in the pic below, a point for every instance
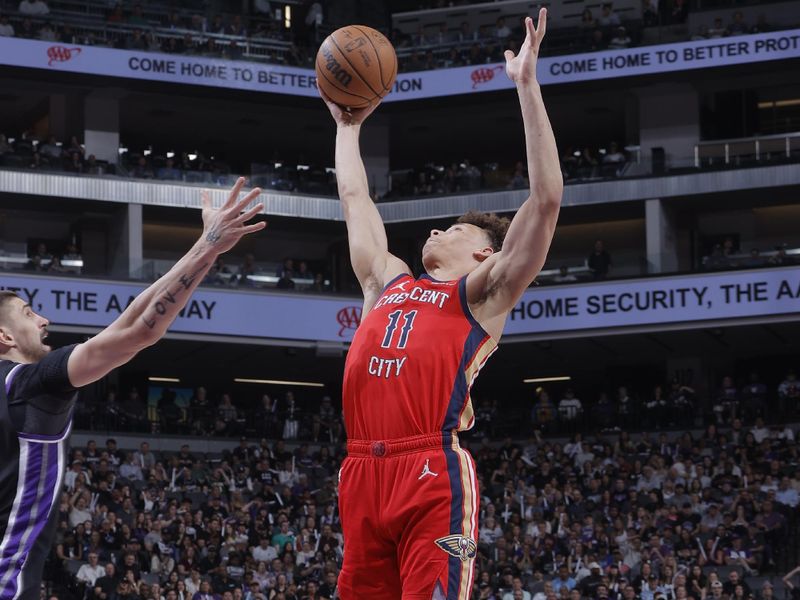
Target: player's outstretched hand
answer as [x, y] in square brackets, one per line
[347, 116]
[521, 69]
[224, 226]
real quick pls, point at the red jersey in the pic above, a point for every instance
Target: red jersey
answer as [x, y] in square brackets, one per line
[413, 360]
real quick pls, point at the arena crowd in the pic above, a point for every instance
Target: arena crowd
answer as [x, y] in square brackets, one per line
[614, 515]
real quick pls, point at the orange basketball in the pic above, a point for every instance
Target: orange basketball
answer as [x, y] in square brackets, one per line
[356, 65]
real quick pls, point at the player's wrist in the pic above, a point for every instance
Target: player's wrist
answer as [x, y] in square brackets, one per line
[204, 247]
[530, 86]
[348, 126]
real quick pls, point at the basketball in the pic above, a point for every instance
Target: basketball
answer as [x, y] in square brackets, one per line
[356, 66]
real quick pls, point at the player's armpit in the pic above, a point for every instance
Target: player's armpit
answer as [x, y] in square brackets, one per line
[95, 358]
[386, 271]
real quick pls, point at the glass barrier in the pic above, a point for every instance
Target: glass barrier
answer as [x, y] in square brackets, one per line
[583, 165]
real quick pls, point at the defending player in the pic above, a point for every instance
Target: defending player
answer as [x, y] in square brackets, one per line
[38, 394]
[408, 494]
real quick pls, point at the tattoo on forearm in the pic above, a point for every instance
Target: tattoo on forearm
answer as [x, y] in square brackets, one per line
[160, 305]
[188, 280]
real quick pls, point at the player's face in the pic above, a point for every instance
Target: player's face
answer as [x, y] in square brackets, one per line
[453, 244]
[24, 330]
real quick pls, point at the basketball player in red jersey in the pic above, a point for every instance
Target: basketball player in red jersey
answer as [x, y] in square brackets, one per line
[408, 493]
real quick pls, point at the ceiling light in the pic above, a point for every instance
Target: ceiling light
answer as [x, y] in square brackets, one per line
[164, 379]
[279, 382]
[547, 379]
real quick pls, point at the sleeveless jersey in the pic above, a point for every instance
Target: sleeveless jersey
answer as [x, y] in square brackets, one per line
[35, 421]
[413, 360]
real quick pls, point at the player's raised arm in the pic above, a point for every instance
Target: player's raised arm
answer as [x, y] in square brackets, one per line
[374, 266]
[531, 231]
[146, 320]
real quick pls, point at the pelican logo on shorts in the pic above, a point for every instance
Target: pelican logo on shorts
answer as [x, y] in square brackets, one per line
[463, 548]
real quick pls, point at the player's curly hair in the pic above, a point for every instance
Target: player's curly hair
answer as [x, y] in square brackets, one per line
[494, 226]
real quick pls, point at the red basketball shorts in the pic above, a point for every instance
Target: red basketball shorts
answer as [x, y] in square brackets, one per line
[409, 511]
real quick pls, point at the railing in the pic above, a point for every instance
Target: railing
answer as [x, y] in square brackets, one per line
[742, 150]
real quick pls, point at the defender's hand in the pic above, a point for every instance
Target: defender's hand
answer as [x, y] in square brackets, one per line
[521, 69]
[223, 227]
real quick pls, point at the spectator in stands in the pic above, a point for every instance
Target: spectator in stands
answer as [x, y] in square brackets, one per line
[599, 261]
[454, 59]
[443, 37]
[718, 30]
[35, 8]
[219, 274]
[6, 30]
[466, 35]
[420, 37]
[620, 39]
[137, 17]
[518, 179]
[650, 13]
[228, 415]
[75, 163]
[137, 41]
[117, 15]
[738, 26]
[608, 18]
[91, 571]
[569, 407]
[144, 457]
[92, 166]
[237, 28]
[543, 411]
[142, 170]
[50, 150]
[40, 259]
[5, 147]
[586, 160]
[326, 422]
[502, 31]
[71, 254]
[680, 11]
[47, 33]
[55, 266]
[780, 258]
[726, 405]
[246, 270]
[217, 26]
[286, 275]
[168, 171]
[789, 394]
[588, 24]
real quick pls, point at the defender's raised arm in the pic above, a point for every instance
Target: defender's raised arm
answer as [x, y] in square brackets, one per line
[148, 317]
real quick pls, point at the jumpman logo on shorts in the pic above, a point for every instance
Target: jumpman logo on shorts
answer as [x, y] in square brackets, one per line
[426, 470]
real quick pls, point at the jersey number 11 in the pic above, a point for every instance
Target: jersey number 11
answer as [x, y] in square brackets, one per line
[408, 325]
